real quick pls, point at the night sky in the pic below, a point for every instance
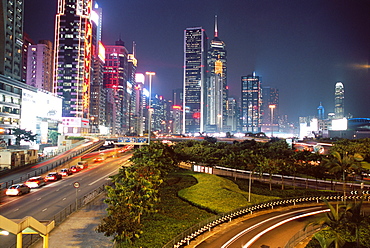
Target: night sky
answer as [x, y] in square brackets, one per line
[300, 47]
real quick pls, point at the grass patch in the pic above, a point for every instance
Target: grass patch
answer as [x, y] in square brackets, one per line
[218, 194]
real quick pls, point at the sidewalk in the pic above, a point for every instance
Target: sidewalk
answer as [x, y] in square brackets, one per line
[78, 230]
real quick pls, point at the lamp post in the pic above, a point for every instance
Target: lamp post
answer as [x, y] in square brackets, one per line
[150, 74]
[272, 106]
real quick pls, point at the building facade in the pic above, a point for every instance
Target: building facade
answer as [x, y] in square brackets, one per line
[195, 63]
[11, 38]
[40, 65]
[73, 62]
[251, 97]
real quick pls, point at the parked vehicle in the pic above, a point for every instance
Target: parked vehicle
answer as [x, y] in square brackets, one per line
[17, 189]
[65, 172]
[53, 176]
[35, 182]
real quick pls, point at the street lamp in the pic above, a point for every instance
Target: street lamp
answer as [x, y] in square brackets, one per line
[150, 74]
[272, 106]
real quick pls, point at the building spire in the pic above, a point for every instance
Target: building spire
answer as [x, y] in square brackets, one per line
[216, 30]
[133, 48]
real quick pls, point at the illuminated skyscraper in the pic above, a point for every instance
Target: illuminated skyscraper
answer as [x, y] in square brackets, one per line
[339, 100]
[98, 93]
[73, 62]
[270, 96]
[115, 81]
[195, 58]
[11, 38]
[251, 103]
[216, 84]
[134, 111]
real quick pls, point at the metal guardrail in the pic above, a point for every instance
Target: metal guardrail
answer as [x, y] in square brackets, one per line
[30, 239]
[185, 237]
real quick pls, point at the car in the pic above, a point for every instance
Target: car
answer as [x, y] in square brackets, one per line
[35, 182]
[53, 176]
[75, 169]
[98, 159]
[82, 164]
[17, 189]
[65, 172]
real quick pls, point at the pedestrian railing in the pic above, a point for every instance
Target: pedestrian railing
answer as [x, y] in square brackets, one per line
[190, 234]
[58, 218]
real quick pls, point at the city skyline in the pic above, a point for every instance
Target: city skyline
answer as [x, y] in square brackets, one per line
[302, 49]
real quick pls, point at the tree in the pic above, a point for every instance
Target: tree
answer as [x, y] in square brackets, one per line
[22, 134]
[53, 137]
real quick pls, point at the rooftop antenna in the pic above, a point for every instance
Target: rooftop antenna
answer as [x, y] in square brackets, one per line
[133, 48]
[216, 30]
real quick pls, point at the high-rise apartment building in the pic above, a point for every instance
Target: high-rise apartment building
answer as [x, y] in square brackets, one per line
[339, 100]
[40, 65]
[115, 81]
[73, 62]
[195, 63]
[251, 97]
[11, 38]
[27, 42]
[216, 84]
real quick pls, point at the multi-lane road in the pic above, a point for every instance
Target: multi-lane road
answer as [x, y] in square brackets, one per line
[46, 202]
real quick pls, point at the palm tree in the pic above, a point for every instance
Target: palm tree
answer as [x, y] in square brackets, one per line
[342, 165]
[333, 222]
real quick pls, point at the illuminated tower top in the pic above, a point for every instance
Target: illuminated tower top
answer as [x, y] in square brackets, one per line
[339, 100]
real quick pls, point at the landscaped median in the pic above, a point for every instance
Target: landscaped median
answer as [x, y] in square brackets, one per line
[219, 195]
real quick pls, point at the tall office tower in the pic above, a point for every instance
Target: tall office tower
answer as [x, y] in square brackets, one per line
[320, 112]
[115, 81]
[11, 38]
[98, 93]
[27, 42]
[177, 97]
[40, 65]
[216, 85]
[133, 126]
[251, 103]
[195, 58]
[270, 98]
[73, 62]
[339, 100]
[232, 114]
[139, 102]
[159, 116]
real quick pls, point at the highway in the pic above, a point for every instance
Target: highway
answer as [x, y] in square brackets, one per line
[251, 231]
[46, 202]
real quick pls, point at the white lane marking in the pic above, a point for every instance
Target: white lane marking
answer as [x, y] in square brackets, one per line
[102, 177]
[38, 199]
[64, 199]
[16, 209]
[44, 209]
[256, 225]
[281, 223]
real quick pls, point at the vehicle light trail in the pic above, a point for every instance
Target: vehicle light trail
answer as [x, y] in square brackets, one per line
[258, 224]
[281, 223]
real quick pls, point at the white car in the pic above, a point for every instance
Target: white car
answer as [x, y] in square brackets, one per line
[17, 189]
[35, 182]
